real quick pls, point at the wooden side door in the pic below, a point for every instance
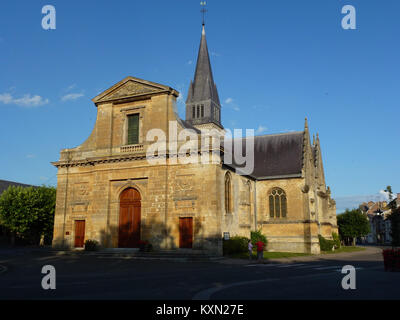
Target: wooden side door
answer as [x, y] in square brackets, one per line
[185, 232]
[79, 233]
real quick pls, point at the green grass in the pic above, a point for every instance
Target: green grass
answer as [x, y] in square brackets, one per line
[344, 249]
[276, 255]
[269, 255]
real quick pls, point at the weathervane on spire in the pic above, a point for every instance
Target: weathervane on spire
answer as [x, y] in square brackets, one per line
[203, 10]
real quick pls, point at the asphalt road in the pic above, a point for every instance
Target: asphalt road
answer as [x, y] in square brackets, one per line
[91, 277]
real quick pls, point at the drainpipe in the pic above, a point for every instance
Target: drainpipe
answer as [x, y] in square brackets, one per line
[166, 174]
[255, 205]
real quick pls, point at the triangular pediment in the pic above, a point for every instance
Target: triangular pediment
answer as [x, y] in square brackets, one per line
[131, 87]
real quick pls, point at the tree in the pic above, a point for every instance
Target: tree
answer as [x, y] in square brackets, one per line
[353, 224]
[394, 218]
[28, 213]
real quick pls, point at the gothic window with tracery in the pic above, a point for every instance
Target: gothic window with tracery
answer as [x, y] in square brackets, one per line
[228, 193]
[277, 203]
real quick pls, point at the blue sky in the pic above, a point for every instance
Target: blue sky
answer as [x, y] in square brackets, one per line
[274, 62]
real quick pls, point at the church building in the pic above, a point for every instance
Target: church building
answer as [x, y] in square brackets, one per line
[109, 191]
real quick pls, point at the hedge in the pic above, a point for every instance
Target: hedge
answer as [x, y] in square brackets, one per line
[325, 244]
[235, 244]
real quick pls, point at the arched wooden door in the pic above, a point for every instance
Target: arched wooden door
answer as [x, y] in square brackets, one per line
[129, 219]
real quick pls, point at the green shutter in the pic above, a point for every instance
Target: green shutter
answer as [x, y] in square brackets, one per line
[133, 129]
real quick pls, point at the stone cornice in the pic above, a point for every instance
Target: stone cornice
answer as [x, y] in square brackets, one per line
[98, 160]
[116, 158]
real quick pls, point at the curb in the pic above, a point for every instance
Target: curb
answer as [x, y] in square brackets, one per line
[3, 269]
[310, 258]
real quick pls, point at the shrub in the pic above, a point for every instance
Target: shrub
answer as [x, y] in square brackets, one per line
[336, 240]
[325, 244]
[91, 245]
[235, 245]
[258, 236]
[145, 246]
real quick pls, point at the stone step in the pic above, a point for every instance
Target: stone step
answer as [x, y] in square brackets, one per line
[173, 255]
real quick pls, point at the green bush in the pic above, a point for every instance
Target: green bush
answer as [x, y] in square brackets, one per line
[258, 236]
[336, 240]
[235, 245]
[91, 245]
[325, 244]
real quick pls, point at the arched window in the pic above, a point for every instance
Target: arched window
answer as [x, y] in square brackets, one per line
[277, 203]
[228, 193]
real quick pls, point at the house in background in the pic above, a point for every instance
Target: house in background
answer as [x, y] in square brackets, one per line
[378, 215]
[4, 184]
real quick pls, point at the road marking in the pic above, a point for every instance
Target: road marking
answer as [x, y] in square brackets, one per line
[290, 265]
[3, 269]
[340, 270]
[206, 294]
[261, 265]
[326, 268]
[311, 266]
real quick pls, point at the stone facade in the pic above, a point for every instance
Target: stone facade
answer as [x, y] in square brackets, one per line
[93, 176]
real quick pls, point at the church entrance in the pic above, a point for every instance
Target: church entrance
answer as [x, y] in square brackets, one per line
[185, 232]
[129, 219]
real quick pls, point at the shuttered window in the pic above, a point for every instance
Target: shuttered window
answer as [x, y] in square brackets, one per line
[202, 110]
[133, 129]
[194, 112]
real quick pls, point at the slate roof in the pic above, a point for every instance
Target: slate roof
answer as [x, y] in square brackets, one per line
[4, 184]
[276, 155]
[203, 87]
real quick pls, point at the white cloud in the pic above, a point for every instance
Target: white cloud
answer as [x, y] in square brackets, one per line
[181, 98]
[261, 129]
[234, 106]
[30, 156]
[228, 100]
[72, 86]
[386, 195]
[215, 54]
[26, 101]
[190, 62]
[351, 202]
[6, 98]
[71, 96]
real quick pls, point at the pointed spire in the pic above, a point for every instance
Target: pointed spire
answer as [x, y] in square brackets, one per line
[202, 90]
[203, 76]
